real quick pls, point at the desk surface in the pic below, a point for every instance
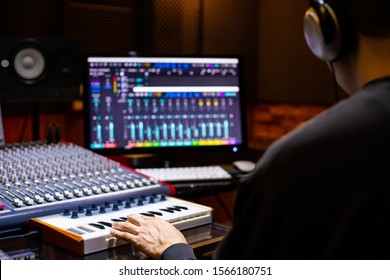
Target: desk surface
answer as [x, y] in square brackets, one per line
[203, 240]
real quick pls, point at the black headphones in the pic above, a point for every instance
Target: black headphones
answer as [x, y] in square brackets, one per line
[328, 31]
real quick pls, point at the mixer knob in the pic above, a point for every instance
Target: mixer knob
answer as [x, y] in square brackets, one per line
[115, 207]
[102, 209]
[163, 198]
[94, 207]
[128, 204]
[113, 187]
[151, 199]
[88, 212]
[107, 204]
[75, 215]
[80, 209]
[140, 202]
[66, 212]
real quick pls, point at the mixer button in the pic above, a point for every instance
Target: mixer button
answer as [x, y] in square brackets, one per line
[68, 194]
[130, 184]
[87, 191]
[17, 202]
[27, 200]
[113, 187]
[48, 197]
[77, 192]
[122, 186]
[58, 196]
[95, 190]
[104, 188]
[38, 199]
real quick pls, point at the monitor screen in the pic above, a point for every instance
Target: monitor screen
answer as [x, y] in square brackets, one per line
[157, 104]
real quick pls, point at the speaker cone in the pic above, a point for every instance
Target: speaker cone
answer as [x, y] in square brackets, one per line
[29, 64]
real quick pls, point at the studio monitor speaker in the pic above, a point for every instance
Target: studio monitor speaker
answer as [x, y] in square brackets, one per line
[39, 69]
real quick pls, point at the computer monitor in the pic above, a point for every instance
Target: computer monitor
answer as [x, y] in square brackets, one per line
[163, 104]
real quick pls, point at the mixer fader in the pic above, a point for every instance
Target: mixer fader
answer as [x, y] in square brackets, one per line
[38, 179]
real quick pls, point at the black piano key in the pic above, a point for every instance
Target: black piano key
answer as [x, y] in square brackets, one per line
[123, 218]
[97, 226]
[155, 213]
[167, 210]
[181, 207]
[105, 223]
[117, 220]
[147, 214]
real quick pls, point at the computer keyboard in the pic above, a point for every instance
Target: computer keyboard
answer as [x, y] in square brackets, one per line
[187, 174]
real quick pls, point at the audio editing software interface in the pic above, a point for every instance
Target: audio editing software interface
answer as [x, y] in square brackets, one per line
[153, 102]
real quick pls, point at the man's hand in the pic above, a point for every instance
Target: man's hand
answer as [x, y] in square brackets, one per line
[151, 235]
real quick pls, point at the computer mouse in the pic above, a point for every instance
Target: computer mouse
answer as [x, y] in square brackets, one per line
[244, 165]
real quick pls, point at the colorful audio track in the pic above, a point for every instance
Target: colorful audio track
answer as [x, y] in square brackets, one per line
[163, 102]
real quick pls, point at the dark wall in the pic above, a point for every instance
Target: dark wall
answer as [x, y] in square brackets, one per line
[288, 72]
[31, 18]
[278, 64]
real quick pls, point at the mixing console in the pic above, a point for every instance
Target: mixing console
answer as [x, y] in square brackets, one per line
[38, 179]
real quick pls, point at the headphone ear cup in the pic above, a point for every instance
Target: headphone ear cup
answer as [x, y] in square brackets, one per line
[322, 32]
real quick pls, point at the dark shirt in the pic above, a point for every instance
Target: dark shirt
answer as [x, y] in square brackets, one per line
[323, 190]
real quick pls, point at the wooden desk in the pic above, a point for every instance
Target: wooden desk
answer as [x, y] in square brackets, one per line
[203, 240]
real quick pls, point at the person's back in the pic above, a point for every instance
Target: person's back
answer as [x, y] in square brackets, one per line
[322, 191]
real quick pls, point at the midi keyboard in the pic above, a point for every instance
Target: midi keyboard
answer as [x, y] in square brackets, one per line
[85, 231]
